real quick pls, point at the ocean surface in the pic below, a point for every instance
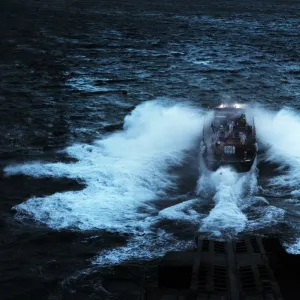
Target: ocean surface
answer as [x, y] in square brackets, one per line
[102, 105]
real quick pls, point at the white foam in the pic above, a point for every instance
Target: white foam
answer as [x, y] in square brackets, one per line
[201, 62]
[293, 248]
[142, 248]
[228, 190]
[253, 201]
[234, 195]
[183, 211]
[121, 172]
[295, 202]
[266, 216]
[277, 131]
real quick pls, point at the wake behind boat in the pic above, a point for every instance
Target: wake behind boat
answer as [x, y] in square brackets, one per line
[229, 138]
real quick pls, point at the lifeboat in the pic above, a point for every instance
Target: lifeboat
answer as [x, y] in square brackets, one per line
[229, 138]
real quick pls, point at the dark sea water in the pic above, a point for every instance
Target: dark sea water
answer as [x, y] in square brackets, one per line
[101, 111]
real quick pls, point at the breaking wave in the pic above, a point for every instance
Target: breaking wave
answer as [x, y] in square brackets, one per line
[121, 172]
[277, 131]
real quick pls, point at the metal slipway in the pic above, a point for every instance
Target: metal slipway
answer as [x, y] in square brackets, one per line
[247, 268]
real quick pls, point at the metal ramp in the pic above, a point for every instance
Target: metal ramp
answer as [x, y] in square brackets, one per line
[215, 270]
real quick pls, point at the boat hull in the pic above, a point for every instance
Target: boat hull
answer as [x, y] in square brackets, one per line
[237, 146]
[239, 166]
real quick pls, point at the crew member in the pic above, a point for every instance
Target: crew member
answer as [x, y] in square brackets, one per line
[213, 127]
[243, 138]
[222, 136]
[230, 129]
[241, 122]
[218, 150]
